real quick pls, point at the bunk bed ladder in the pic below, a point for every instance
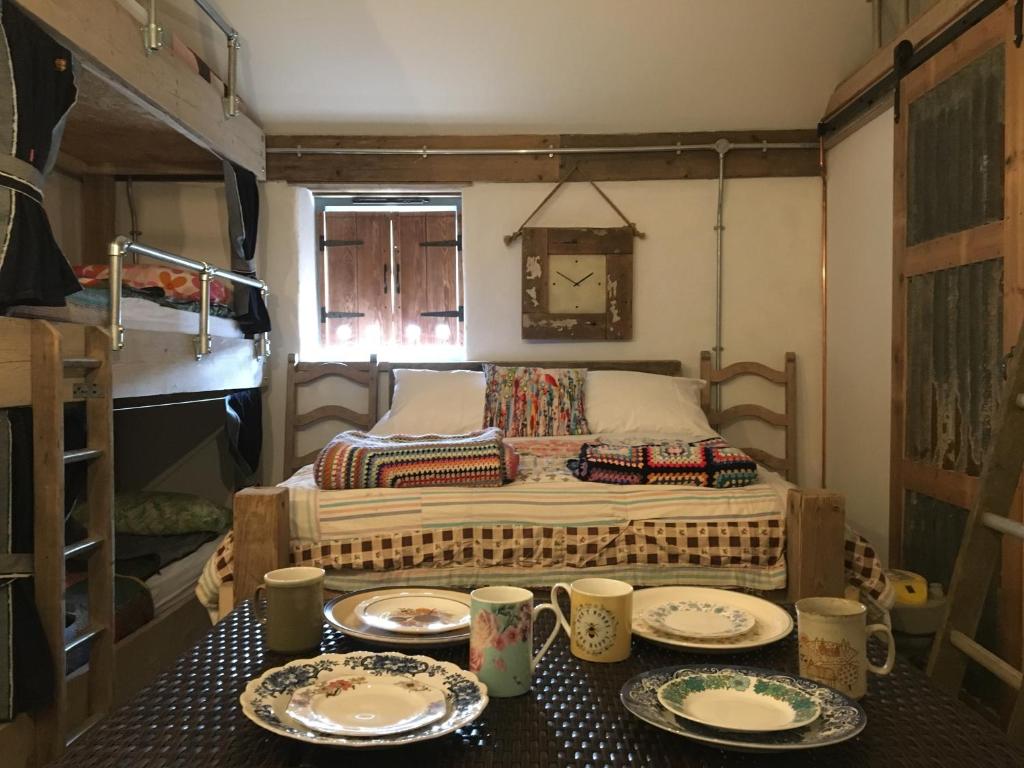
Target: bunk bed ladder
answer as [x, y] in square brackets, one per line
[979, 552]
[53, 383]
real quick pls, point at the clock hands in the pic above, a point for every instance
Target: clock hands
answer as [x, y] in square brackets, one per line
[575, 283]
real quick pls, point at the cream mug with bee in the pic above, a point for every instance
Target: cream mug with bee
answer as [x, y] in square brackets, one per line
[601, 611]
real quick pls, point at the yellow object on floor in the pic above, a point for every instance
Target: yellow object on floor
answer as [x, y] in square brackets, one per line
[911, 588]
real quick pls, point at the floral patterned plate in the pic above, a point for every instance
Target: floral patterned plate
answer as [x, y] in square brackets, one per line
[365, 705]
[415, 611]
[340, 612]
[771, 623]
[840, 719]
[737, 702]
[700, 619]
[265, 700]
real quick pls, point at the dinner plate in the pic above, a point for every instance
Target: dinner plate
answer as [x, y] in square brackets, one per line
[771, 623]
[367, 705]
[699, 619]
[841, 718]
[415, 612]
[265, 699]
[340, 612]
[735, 701]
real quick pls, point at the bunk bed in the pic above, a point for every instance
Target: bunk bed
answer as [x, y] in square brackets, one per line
[123, 106]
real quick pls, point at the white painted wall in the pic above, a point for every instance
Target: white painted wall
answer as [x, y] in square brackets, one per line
[860, 198]
[772, 282]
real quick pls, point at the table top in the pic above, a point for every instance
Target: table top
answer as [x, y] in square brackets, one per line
[573, 717]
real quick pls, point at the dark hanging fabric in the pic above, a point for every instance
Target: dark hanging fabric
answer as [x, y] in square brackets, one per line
[243, 197]
[243, 413]
[26, 668]
[37, 89]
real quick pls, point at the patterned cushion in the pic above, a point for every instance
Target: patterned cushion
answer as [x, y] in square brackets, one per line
[535, 402]
[360, 460]
[176, 283]
[708, 463]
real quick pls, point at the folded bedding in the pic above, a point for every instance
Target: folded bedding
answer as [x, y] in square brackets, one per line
[360, 460]
[546, 526]
[709, 463]
[143, 556]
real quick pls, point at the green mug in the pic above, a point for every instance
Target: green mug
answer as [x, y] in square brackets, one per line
[293, 619]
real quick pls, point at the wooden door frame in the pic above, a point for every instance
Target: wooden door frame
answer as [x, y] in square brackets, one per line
[979, 243]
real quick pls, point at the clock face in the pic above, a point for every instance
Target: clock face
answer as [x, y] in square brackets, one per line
[577, 284]
[593, 628]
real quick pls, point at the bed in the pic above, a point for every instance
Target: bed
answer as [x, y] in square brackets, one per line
[546, 526]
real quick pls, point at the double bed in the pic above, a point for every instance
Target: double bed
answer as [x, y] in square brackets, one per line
[543, 527]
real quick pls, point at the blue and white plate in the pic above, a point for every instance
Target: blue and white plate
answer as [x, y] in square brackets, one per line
[700, 619]
[266, 699]
[840, 717]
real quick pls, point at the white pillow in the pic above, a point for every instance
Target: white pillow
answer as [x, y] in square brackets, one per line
[630, 401]
[434, 403]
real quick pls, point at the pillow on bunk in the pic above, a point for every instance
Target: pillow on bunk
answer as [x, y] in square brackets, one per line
[620, 402]
[162, 513]
[176, 283]
[535, 402]
[434, 403]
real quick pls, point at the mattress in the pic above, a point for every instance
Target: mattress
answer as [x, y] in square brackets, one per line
[174, 584]
[136, 314]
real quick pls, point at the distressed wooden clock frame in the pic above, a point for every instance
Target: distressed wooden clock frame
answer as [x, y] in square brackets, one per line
[616, 322]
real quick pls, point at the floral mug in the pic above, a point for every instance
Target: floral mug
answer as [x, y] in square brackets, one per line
[501, 638]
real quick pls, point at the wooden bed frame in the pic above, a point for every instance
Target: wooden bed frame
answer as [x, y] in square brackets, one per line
[815, 519]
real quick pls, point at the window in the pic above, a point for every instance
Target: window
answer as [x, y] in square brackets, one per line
[389, 277]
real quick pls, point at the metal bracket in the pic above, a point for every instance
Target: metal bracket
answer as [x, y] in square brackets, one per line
[325, 243]
[86, 391]
[901, 56]
[442, 243]
[460, 313]
[324, 315]
[152, 33]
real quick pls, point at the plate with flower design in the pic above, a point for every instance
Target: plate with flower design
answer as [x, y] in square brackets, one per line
[840, 718]
[700, 619]
[367, 705]
[340, 612]
[266, 699]
[415, 612]
[736, 701]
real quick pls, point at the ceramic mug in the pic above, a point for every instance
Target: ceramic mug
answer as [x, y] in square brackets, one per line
[602, 618]
[833, 643]
[293, 619]
[501, 638]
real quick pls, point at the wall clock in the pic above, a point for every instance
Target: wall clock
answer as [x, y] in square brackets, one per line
[577, 284]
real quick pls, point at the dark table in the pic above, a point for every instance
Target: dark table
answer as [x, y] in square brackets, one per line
[190, 716]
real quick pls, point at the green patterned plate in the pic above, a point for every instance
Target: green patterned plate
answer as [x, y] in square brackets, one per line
[738, 701]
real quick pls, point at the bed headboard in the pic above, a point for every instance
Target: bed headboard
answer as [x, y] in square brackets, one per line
[367, 373]
[786, 421]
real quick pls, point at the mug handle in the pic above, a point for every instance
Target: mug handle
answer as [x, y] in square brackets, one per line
[890, 656]
[257, 606]
[557, 608]
[537, 610]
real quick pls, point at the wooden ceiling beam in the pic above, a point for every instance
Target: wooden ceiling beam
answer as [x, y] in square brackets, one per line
[304, 168]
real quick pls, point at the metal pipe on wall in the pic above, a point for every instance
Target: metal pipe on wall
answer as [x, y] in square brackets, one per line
[722, 147]
[550, 151]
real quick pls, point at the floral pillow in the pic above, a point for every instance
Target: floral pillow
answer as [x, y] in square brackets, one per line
[176, 283]
[535, 402]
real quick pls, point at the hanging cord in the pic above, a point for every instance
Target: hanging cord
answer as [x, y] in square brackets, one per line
[134, 233]
[630, 224]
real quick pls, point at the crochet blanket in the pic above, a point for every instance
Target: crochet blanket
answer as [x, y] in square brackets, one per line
[709, 463]
[358, 460]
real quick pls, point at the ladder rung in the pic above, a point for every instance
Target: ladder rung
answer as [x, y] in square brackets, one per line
[88, 363]
[81, 547]
[88, 723]
[83, 638]
[986, 658]
[1003, 524]
[82, 454]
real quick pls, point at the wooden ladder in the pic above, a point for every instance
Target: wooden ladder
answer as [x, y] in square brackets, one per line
[55, 380]
[980, 549]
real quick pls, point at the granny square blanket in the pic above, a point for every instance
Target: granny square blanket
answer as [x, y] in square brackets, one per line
[359, 460]
[708, 463]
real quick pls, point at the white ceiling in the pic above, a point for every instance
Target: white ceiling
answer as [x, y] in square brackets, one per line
[540, 66]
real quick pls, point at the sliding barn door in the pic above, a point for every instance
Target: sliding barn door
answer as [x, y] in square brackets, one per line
[957, 299]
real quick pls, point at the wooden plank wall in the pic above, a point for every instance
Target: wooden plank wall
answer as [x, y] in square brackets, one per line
[409, 169]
